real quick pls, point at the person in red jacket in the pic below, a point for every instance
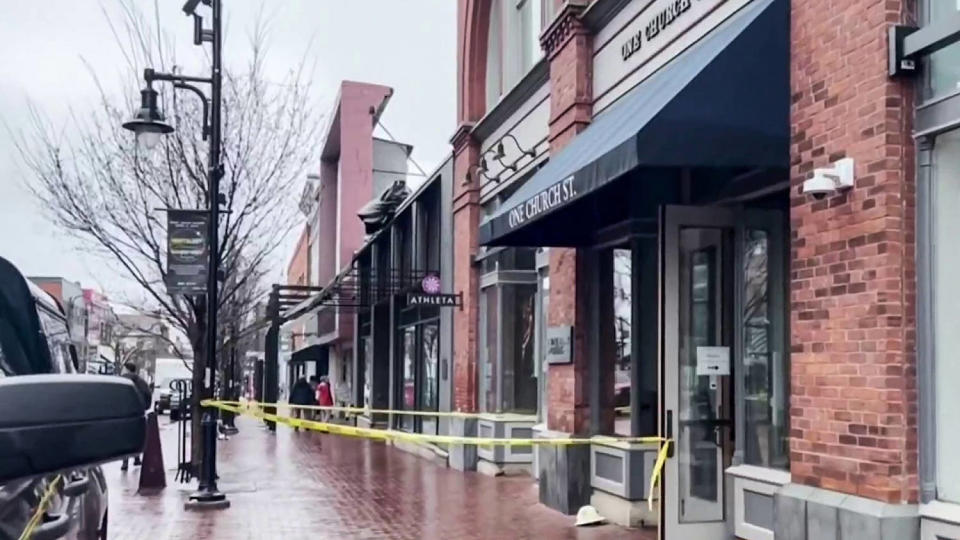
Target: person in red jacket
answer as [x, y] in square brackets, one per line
[324, 397]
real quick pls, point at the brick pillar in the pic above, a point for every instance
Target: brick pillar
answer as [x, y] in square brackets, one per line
[568, 45]
[565, 470]
[853, 408]
[466, 222]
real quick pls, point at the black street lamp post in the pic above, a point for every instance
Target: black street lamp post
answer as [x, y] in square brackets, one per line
[148, 125]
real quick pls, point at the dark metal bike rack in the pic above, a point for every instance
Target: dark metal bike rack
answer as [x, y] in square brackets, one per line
[184, 465]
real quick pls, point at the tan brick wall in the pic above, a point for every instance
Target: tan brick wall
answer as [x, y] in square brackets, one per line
[853, 324]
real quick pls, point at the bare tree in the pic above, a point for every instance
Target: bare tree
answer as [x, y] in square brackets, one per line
[96, 186]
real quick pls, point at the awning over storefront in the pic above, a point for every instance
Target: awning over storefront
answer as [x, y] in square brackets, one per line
[310, 353]
[723, 103]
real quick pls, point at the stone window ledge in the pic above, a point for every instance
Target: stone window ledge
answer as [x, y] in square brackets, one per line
[760, 474]
[941, 511]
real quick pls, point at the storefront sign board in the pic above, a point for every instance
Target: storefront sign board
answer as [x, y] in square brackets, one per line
[439, 300]
[559, 344]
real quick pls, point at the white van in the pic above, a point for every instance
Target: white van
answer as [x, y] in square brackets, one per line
[168, 370]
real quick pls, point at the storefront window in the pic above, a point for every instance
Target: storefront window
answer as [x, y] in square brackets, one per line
[542, 336]
[409, 382]
[508, 332]
[364, 359]
[490, 351]
[429, 386]
[623, 315]
[942, 68]
[946, 310]
[519, 377]
[764, 383]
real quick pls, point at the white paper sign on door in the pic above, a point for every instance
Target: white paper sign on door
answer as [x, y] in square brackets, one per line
[713, 360]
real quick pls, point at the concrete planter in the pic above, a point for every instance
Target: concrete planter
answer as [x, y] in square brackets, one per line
[620, 476]
[496, 460]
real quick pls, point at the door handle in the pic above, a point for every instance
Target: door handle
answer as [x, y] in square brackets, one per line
[669, 431]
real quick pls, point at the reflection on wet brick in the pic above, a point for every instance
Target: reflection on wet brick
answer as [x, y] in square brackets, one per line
[291, 486]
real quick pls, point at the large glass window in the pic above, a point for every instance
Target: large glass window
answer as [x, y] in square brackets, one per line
[513, 43]
[765, 406]
[942, 68]
[429, 379]
[541, 324]
[519, 376]
[408, 384]
[508, 369]
[622, 317]
[946, 310]
[490, 352]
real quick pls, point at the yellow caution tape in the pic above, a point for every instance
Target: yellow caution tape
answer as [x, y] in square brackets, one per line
[658, 470]
[365, 411]
[41, 508]
[256, 410]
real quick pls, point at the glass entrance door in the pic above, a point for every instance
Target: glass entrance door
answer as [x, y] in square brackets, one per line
[703, 405]
[703, 268]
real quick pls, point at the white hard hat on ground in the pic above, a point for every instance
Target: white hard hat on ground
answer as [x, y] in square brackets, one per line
[588, 515]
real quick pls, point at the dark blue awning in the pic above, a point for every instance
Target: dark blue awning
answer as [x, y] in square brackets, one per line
[724, 102]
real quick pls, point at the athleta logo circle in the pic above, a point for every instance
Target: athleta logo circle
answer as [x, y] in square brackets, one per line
[431, 284]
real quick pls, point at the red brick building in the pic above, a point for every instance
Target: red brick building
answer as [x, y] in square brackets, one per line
[726, 223]
[718, 222]
[355, 167]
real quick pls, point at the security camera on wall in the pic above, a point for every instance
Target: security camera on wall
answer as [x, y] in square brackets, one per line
[829, 182]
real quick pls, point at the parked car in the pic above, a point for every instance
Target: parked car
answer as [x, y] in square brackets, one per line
[56, 426]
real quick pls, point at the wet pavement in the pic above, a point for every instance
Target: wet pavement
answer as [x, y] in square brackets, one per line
[306, 485]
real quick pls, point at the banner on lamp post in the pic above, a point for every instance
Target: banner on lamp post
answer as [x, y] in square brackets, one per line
[187, 251]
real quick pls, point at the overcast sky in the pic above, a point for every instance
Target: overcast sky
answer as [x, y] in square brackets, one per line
[45, 47]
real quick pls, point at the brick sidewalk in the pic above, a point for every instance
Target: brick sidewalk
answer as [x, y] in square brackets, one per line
[289, 486]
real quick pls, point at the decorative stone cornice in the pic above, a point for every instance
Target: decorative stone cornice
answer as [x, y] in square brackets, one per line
[565, 25]
[462, 136]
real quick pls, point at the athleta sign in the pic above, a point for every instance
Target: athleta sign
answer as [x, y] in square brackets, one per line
[440, 300]
[430, 295]
[548, 199]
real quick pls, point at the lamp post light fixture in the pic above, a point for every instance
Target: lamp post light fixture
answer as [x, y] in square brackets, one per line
[148, 125]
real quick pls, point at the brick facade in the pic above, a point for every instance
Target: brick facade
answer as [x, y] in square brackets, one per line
[473, 19]
[569, 48]
[853, 390]
[466, 275]
[298, 273]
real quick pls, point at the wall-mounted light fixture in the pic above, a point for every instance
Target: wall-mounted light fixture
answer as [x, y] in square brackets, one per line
[532, 153]
[481, 169]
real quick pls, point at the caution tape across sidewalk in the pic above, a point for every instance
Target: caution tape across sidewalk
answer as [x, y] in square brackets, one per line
[351, 411]
[256, 410]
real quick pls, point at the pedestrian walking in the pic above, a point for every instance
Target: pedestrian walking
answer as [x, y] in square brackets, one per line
[314, 381]
[300, 394]
[324, 398]
[130, 373]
